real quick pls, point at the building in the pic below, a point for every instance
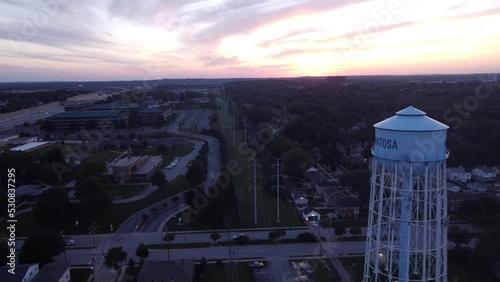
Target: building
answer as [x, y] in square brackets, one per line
[53, 272]
[309, 214]
[23, 273]
[153, 115]
[167, 271]
[30, 192]
[30, 146]
[313, 175]
[477, 187]
[458, 174]
[23, 140]
[87, 119]
[299, 198]
[455, 201]
[77, 107]
[134, 167]
[120, 107]
[484, 174]
[452, 187]
[4, 139]
[346, 205]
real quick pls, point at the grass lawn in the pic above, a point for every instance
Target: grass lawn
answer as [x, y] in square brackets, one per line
[80, 274]
[354, 266]
[218, 274]
[266, 213]
[125, 191]
[65, 148]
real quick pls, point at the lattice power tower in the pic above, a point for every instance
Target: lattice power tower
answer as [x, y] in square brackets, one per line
[406, 236]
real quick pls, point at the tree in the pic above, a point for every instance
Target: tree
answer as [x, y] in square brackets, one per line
[175, 199]
[94, 198]
[158, 178]
[340, 230]
[41, 247]
[169, 237]
[306, 237]
[114, 258]
[162, 148]
[53, 209]
[215, 237]
[142, 252]
[242, 240]
[203, 265]
[276, 234]
[94, 169]
[355, 230]
[457, 235]
[131, 263]
[55, 155]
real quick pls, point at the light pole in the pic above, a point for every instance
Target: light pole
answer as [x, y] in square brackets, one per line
[62, 237]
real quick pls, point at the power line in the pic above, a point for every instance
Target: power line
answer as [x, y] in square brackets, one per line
[255, 189]
[278, 165]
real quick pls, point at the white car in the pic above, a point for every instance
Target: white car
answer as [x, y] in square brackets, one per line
[238, 236]
[256, 264]
[69, 242]
[313, 223]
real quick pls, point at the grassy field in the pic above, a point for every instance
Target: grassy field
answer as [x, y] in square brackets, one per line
[125, 191]
[266, 212]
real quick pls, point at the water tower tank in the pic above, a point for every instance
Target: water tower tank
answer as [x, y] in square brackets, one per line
[406, 235]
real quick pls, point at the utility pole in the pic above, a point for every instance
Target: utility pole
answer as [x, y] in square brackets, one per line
[278, 175]
[245, 131]
[234, 129]
[255, 190]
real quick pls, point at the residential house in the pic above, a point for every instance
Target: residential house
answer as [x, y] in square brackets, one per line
[484, 174]
[299, 198]
[54, 272]
[452, 187]
[477, 187]
[458, 174]
[167, 271]
[313, 175]
[30, 192]
[23, 273]
[345, 203]
[455, 201]
[309, 214]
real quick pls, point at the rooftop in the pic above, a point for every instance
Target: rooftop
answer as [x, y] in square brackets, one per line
[31, 190]
[29, 146]
[411, 119]
[51, 272]
[115, 106]
[151, 110]
[21, 270]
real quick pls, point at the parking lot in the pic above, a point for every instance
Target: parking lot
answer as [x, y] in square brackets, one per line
[194, 119]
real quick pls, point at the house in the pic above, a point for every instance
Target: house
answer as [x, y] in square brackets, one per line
[484, 174]
[476, 186]
[452, 187]
[53, 272]
[309, 214]
[23, 140]
[345, 204]
[23, 273]
[167, 271]
[458, 174]
[30, 192]
[299, 198]
[313, 175]
[154, 114]
[455, 201]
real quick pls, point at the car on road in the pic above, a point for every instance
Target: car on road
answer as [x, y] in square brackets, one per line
[238, 236]
[256, 264]
[69, 242]
[313, 223]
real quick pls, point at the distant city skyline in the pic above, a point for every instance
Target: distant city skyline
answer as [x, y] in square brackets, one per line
[96, 40]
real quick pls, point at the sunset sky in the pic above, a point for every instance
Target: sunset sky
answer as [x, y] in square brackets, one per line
[60, 40]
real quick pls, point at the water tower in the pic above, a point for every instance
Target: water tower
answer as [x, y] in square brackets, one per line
[406, 236]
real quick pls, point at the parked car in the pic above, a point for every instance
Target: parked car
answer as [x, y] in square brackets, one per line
[256, 264]
[313, 223]
[69, 242]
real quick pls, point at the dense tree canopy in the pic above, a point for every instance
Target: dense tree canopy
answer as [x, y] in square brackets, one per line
[41, 247]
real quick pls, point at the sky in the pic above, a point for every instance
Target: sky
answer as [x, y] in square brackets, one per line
[64, 40]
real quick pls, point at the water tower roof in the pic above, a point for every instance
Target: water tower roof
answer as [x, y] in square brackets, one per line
[411, 119]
